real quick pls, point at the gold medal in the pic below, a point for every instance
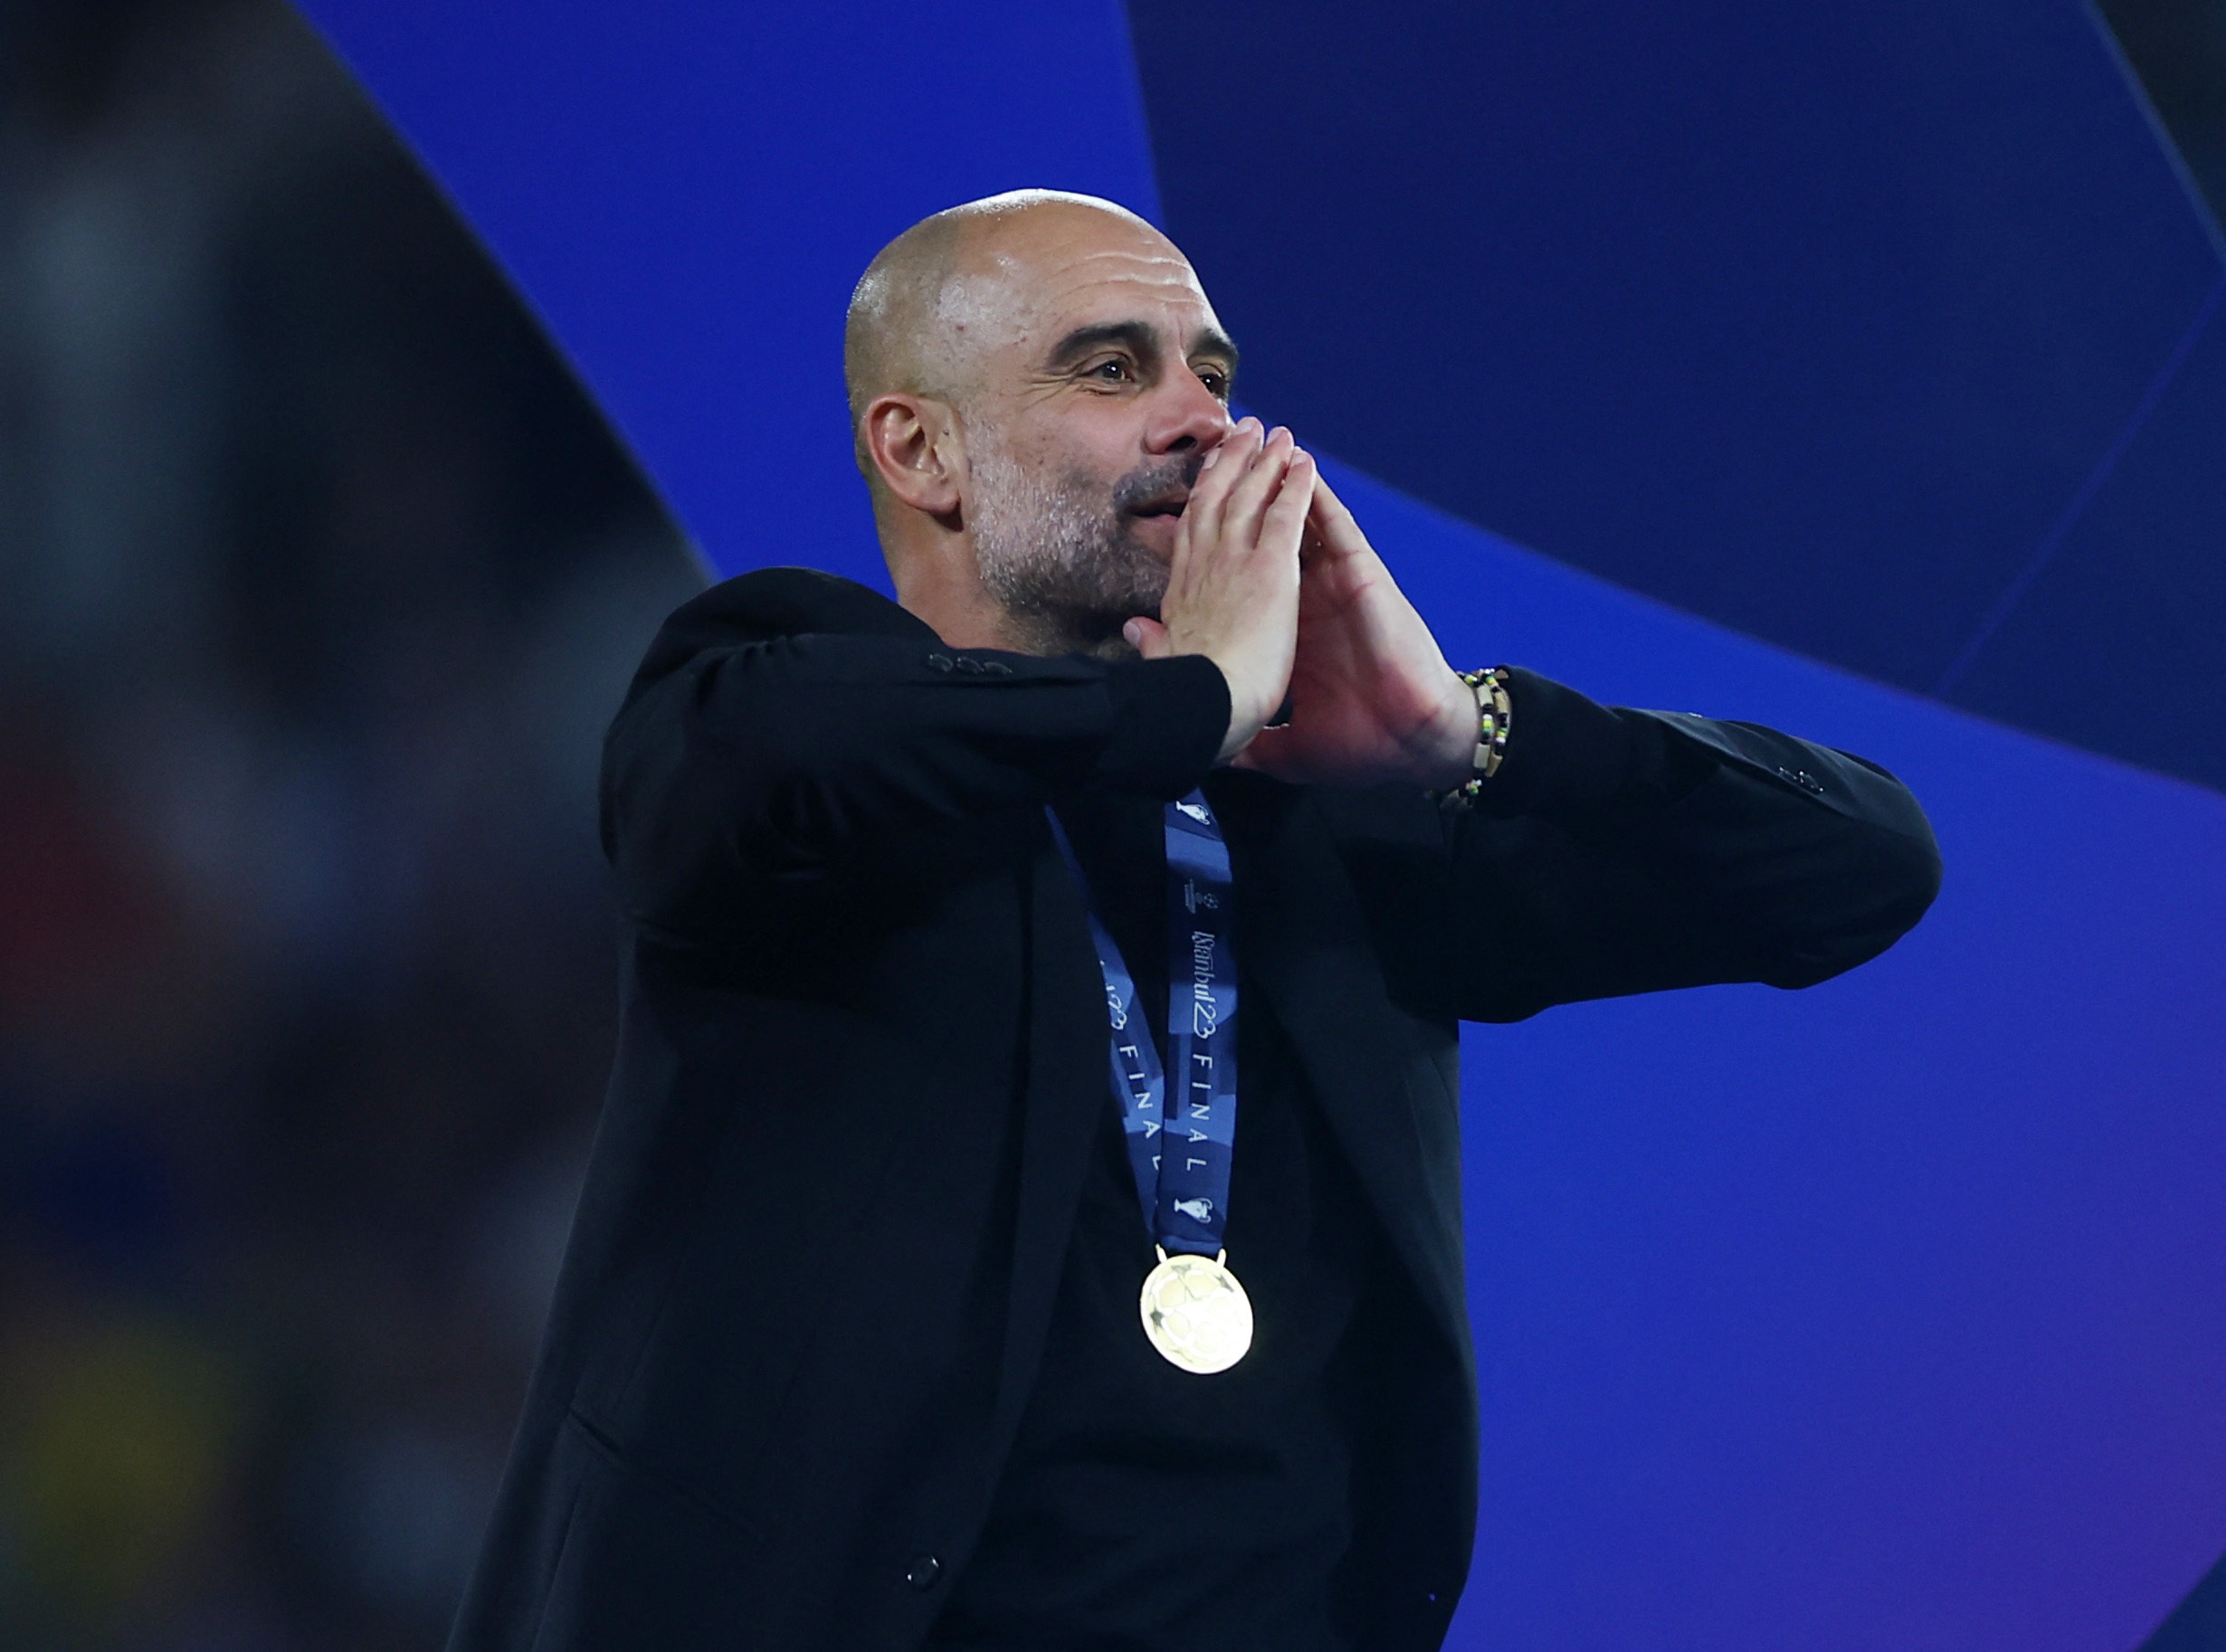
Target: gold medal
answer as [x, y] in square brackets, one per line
[1196, 1313]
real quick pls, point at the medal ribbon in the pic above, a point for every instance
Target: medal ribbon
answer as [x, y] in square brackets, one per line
[1181, 1134]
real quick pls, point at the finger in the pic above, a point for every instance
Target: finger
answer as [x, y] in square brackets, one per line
[1225, 467]
[1244, 426]
[1210, 494]
[1284, 519]
[1329, 517]
[1247, 504]
[1147, 637]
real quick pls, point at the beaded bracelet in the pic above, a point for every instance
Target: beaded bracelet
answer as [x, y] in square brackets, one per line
[1495, 716]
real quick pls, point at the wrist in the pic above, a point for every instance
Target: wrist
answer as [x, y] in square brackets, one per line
[1245, 721]
[1448, 757]
[1494, 715]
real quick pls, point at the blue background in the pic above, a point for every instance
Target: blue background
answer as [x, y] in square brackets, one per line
[1853, 370]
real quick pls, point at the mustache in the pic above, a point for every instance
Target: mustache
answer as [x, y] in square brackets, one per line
[1152, 482]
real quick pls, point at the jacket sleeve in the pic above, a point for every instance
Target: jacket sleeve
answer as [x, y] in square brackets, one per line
[1623, 851]
[746, 765]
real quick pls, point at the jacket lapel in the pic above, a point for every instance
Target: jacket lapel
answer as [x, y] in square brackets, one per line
[1066, 1095]
[1303, 942]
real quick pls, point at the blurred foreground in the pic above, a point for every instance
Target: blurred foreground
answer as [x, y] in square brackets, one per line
[318, 581]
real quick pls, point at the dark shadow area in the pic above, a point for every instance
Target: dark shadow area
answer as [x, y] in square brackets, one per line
[2178, 48]
[318, 578]
[2198, 1624]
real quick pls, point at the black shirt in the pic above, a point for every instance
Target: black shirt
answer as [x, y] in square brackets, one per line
[1143, 1507]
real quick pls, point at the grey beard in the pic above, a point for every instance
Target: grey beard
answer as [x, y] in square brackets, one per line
[1058, 554]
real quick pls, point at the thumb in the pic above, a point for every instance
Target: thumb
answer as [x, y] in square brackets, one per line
[1147, 637]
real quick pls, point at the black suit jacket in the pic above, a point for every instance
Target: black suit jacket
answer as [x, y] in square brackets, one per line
[862, 1056]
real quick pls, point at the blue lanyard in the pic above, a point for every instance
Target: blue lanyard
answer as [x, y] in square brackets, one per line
[1180, 1136]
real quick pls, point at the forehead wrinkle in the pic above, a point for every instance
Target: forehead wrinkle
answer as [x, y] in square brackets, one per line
[1172, 304]
[1130, 269]
[1152, 257]
[1154, 260]
[1007, 277]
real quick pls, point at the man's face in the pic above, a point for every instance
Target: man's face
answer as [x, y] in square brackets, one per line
[1103, 384]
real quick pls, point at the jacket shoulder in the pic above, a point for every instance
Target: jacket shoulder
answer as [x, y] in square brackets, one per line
[767, 604]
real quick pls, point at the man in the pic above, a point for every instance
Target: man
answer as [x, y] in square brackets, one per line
[916, 1297]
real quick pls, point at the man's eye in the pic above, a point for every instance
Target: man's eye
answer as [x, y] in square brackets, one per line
[1113, 371]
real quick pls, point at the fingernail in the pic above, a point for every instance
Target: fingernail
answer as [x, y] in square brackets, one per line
[1134, 634]
[1211, 455]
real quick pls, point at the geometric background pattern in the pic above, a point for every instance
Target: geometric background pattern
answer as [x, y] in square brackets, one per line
[1857, 370]
[1886, 331]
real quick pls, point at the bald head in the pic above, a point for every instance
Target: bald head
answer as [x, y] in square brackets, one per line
[1034, 381]
[957, 282]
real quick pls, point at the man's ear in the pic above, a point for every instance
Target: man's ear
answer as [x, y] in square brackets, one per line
[913, 443]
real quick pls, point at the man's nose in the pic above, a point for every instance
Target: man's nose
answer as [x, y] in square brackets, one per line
[1190, 419]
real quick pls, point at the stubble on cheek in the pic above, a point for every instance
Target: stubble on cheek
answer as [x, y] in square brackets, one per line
[1060, 553]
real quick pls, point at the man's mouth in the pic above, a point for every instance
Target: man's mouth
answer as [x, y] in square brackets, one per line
[1171, 505]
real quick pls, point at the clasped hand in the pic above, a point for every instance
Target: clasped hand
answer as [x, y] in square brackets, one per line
[1274, 582]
